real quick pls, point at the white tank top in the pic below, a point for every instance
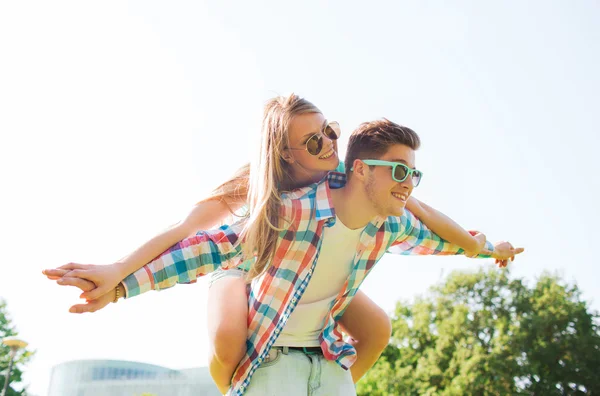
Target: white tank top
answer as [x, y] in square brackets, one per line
[333, 267]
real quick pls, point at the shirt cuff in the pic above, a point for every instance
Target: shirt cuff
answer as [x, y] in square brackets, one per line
[488, 246]
[139, 282]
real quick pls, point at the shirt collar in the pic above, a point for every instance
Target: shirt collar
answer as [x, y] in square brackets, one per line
[324, 203]
[322, 193]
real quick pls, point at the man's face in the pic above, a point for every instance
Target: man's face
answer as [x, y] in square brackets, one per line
[387, 196]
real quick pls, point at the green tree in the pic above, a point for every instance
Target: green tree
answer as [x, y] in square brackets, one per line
[483, 333]
[7, 330]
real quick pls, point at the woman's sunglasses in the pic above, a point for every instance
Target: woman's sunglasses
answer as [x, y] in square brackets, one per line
[400, 172]
[314, 144]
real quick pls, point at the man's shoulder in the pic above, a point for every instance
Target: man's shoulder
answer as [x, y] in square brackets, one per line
[332, 180]
[299, 194]
[403, 222]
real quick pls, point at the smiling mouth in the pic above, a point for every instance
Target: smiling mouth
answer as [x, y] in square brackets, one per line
[328, 154]
[401, 197]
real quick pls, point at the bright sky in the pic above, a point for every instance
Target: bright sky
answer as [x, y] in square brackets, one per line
[116, 117]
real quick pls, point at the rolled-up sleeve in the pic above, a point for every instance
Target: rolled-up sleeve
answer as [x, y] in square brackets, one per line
[188, 260]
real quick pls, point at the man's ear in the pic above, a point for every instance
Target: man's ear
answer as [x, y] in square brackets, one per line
[288, 157]
[359, 169]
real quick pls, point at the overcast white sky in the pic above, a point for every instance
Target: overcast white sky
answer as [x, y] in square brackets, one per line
[117, 116]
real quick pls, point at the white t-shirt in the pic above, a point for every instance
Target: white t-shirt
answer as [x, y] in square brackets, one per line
[333, 267]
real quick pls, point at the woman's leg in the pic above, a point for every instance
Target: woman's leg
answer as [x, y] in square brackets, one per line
[370, 330]
[227, 325]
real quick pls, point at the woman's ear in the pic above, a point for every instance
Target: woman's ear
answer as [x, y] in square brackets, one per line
[288, 157]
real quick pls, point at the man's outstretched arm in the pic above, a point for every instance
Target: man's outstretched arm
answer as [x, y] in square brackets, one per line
[184, 262]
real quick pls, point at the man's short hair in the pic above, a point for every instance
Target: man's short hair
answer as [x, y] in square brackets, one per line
[372, 139]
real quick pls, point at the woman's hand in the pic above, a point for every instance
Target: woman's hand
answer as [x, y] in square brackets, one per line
[479, 244]
[94, 280]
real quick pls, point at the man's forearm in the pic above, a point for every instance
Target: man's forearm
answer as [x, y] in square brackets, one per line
[203, 216]
[185, 261]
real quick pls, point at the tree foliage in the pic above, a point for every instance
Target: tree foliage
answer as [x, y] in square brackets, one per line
[483, 333]
[22, 357]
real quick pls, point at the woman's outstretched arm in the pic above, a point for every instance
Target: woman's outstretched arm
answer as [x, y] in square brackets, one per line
[446, 228]
[225, 200]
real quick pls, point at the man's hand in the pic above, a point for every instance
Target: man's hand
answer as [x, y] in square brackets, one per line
[93, 280]
[504, 251]
[93, 305]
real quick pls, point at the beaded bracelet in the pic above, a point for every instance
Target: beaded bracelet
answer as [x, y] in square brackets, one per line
[116, 295]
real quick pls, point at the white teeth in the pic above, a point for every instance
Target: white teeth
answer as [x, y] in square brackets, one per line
[400, 196]
[329, 154]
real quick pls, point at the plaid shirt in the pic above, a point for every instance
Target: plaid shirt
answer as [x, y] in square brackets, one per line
[274, 295]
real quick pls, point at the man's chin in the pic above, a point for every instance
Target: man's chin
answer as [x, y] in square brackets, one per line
[397, 212]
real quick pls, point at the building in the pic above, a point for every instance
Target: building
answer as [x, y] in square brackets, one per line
[124, 378]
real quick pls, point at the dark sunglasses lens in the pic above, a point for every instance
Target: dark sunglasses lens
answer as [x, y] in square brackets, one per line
[314, 145]
[400, 173]
[417, 178]
[332, 130]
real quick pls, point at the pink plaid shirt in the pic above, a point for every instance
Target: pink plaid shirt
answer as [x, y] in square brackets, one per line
[275, 294]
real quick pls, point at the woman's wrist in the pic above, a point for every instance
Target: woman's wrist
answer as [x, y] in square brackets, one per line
[476, 244]
[120, 269]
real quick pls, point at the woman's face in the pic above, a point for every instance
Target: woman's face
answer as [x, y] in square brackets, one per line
[305, 165]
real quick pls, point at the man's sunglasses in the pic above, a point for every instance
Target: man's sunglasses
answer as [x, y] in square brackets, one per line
[314, 144]
[400, 172]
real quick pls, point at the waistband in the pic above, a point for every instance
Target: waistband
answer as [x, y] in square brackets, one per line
[305, 350]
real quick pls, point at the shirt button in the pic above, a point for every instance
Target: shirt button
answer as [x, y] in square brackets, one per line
[276, 331]
[310, 271]
[260, 360]
[294, 300]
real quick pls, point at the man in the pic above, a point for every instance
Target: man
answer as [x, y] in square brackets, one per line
[294, 343]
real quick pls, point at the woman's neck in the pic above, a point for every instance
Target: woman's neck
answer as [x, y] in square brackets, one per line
[302, 178]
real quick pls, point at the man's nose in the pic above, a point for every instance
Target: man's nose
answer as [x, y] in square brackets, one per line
[408, 184]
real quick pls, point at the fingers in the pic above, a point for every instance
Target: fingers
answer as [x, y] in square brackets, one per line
[83, 284]
[519, 250]
[95, 293]
[79, 273]
[73, 266]
[501, 263]
[90, 306]
[54, 274]
[72, 269]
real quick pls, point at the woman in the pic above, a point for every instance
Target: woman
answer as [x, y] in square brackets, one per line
[293, 154]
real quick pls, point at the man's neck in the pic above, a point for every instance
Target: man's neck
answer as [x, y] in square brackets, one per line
[352, 206]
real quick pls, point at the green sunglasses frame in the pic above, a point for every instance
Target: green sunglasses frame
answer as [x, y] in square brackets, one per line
[409, 171]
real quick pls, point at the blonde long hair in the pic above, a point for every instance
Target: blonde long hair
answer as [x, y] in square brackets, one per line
[260, 184]
[234, 191]
[269, 173]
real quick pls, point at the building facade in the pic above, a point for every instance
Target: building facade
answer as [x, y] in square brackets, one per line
[125, 378]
